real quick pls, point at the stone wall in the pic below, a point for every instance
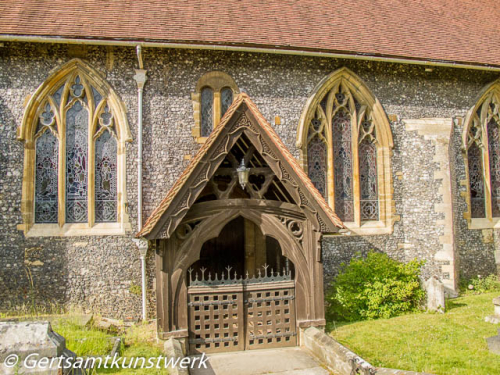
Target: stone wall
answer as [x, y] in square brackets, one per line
[96, 273]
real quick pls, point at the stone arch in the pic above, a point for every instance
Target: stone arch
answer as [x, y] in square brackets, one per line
[490, 92]
[217, 81]
[73, 67]
[360, 89]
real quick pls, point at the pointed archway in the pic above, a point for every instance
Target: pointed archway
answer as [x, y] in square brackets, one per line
[279, 200]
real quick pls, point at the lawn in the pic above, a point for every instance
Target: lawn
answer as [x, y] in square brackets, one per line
[140, 341]
[442, 344]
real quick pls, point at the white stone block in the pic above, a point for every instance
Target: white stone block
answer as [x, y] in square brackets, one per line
[435, 295]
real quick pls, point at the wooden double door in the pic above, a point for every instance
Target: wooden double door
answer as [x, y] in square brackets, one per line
[244, 314]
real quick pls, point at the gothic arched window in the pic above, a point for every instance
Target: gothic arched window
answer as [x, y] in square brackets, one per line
[482, 145]
[75, 155]
[345, 143]
[213, 96]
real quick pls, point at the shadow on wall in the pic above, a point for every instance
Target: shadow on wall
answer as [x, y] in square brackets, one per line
[338, 250]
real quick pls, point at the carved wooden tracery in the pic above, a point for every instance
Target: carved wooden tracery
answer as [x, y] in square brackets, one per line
[275, 200]
[275, 166]
[482, 146]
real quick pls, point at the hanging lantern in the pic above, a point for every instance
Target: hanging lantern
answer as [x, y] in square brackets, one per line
[243, 173]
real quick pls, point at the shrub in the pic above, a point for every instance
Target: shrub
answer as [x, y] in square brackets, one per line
[481, 284]
[375, 287]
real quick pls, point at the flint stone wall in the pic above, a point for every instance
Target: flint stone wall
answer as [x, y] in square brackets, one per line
[98, 273]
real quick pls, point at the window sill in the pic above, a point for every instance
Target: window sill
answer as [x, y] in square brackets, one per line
[484, 223]
[369, 228]
[70, 230]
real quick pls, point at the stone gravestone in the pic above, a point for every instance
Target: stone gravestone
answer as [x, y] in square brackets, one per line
[35, 340]
[435, 295]
[494, 343]
[495, 318]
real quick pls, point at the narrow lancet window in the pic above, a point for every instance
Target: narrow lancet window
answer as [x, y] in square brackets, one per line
[46, 171]
[368, 180]
[76, 163]
[317, 164]
[342, 162]
[476, 183]
[494, 158]
[105, 178]
[207, 109]
[226, 98]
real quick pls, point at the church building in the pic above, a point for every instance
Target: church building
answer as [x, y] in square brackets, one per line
[211, 165]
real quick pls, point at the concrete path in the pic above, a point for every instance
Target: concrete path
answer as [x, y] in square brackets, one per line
[293, 361]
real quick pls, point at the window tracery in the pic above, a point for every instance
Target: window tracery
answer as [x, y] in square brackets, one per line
[79, 134]
[347, 151]
[482, 145]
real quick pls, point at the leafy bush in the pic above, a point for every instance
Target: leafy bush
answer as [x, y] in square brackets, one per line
[375, 287]
[481, 284]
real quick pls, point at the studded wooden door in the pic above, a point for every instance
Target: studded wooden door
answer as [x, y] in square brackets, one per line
[270, 316]
[215, 319]
[241, 316]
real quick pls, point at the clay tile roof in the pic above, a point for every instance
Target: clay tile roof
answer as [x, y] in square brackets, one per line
[463, 31]
[267, 128]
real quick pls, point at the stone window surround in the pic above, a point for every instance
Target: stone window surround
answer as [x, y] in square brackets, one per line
[387, 216]
[489, 92]
[216, 80]
[26, 134]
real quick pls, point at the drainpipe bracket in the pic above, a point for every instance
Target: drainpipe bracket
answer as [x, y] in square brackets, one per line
[140, 77]
[143, 245]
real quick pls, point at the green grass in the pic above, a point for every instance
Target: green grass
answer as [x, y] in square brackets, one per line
[442, 344]
[88, 341]
[139, 341]
[84, 341]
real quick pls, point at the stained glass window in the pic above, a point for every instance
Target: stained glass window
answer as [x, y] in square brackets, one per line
[46, 171]
[76, 162]
[357, 160]
[368, 180]
[105, 178]
[494, 155]
[214, 95]
[226, 98]
[342, 164]
[476, 182]
[84, 135]
[317, 165]
[207, 107]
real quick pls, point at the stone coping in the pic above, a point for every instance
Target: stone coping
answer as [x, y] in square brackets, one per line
[339, 359]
